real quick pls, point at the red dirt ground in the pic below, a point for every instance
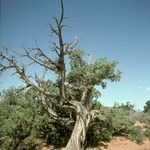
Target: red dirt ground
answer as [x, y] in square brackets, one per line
[121, 143]
[118, 143]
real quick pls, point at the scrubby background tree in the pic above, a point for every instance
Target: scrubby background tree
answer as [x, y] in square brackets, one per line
[147, 107]
[69, 102]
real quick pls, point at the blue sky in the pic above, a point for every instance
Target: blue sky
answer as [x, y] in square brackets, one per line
[117, 29]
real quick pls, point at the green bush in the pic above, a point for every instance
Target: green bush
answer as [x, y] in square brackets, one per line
[23, 120]
[20, 118]
[118, 122]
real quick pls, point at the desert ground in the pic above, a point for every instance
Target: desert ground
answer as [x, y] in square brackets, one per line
[118, 143]
[121, 143]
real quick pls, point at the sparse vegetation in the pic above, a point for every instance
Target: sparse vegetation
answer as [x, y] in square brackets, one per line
[23, 120]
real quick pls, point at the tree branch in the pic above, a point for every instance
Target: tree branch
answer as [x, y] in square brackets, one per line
[12, 64]
[40, 58]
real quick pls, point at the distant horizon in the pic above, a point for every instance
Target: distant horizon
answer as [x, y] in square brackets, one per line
[114, 29]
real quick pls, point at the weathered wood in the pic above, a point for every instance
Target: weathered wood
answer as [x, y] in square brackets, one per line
[83, 118]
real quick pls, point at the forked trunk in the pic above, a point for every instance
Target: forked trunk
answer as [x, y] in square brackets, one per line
[77, 139]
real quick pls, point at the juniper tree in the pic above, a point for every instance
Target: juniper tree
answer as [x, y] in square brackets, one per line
[76, 80]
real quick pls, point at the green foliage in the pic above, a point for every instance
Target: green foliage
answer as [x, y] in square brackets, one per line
[23, 119]
[125, 106]
[91, 74]
[147, 107]
[136, 134]
[20, 117]
[118, 121]
[147, 132]
[144, 118]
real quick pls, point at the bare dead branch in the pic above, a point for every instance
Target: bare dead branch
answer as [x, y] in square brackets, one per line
[43, 100]
[11, 63]
[54, 30]
[62, 12]
[70, 46]
[62, 121]
[55, 48]
[61, 52]
[39, 57]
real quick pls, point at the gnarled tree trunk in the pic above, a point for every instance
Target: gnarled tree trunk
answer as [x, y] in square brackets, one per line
[77, 139]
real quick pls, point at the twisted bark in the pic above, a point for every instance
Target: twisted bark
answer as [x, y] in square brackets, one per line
[83, 118]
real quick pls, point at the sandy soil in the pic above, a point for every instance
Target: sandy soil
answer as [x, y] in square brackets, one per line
[118, 143]
[121, 143]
